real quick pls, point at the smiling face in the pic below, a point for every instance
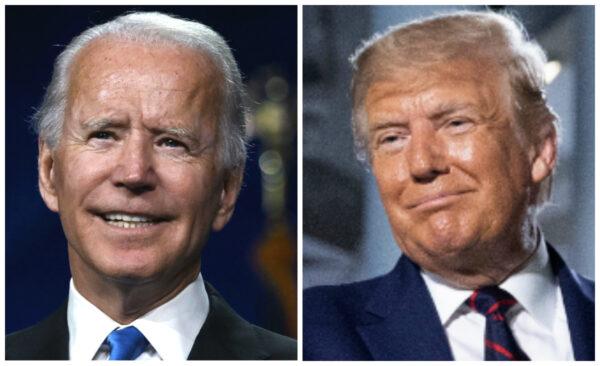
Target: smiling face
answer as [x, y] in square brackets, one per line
[136, 176]
[454, 169]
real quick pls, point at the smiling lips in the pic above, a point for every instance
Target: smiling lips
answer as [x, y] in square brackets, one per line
[130, 221]
[435, 200]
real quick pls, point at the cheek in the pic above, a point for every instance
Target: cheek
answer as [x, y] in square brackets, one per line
[192, 188]
[483, 156]
[496, 162]
[80, 173]
[505, 164]
[391, 174]
[463, 151]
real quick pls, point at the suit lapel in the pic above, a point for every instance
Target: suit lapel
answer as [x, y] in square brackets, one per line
[224, 335]
[48, 340]
[57, 347]
[400, 321]
[578, 298]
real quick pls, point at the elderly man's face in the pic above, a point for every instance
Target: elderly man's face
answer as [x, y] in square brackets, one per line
[453, 167]
[135, 177]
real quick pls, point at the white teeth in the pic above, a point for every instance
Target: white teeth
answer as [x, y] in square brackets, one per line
[129, 225]
[128, 221]
[126, 218]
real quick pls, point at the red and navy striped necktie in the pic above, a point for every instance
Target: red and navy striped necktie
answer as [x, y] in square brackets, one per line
[500, 344]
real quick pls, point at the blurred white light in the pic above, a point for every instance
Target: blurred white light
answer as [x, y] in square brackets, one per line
[551, 71]
[270, 162]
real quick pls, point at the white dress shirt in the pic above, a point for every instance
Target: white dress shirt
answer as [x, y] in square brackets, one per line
[538, 321]
[170, 328]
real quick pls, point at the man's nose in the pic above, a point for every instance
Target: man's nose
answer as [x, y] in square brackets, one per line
[426, 155]
[135, 169]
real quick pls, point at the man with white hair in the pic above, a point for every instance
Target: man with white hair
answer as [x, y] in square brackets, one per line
[449, 114]
[141, 152]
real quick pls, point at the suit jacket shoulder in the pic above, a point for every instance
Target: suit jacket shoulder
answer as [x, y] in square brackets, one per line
[391, 317]
[578, 298]
[47, 340]
[330, 317]
[226, 336]
[337, 303]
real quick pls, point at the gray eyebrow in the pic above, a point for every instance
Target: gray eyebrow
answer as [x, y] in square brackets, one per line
[101, 123]
[176, 131]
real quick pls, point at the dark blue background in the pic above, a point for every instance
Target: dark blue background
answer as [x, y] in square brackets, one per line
[36, 261]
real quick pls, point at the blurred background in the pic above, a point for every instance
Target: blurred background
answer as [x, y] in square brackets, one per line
[346, 233]
[252, 262]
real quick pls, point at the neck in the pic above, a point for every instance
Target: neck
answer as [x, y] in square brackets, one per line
[125, 300]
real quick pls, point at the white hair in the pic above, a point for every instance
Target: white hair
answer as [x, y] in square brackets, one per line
[155, 28]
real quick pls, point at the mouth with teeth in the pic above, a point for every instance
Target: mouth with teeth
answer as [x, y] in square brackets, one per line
[129, 221]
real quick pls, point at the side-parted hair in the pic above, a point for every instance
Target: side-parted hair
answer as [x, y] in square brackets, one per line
[466, 35]
[155, 28]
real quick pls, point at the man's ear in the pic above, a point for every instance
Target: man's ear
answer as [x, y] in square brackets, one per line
[46, 176]
[229, 194]
[544, 159]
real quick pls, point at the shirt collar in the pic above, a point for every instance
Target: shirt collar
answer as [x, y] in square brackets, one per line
[533, 286]
[170, 328]
[446, 298]
[88, 326]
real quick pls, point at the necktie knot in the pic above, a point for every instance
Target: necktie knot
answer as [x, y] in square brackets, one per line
[491, 302]
[126, 343]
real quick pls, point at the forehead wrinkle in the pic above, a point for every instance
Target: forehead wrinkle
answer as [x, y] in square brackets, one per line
[401, 80]
[95, 59]
[385, 115]
[182, 103]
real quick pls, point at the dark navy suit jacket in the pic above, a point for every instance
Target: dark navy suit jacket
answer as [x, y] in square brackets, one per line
[393, 317]
[224, 336]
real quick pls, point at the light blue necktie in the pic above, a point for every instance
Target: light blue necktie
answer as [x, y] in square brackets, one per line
[126, 343]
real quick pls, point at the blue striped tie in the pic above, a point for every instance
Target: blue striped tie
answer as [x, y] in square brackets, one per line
[126, 343]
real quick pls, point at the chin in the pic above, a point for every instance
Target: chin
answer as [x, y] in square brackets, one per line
[439, 248]
[450, 245]
[443, 244]
[448, 234]
[129, 270]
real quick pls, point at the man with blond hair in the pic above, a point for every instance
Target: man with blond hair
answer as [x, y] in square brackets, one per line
[449, 114]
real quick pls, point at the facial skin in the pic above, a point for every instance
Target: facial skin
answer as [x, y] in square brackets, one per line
[455, 173]
[139, 138]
